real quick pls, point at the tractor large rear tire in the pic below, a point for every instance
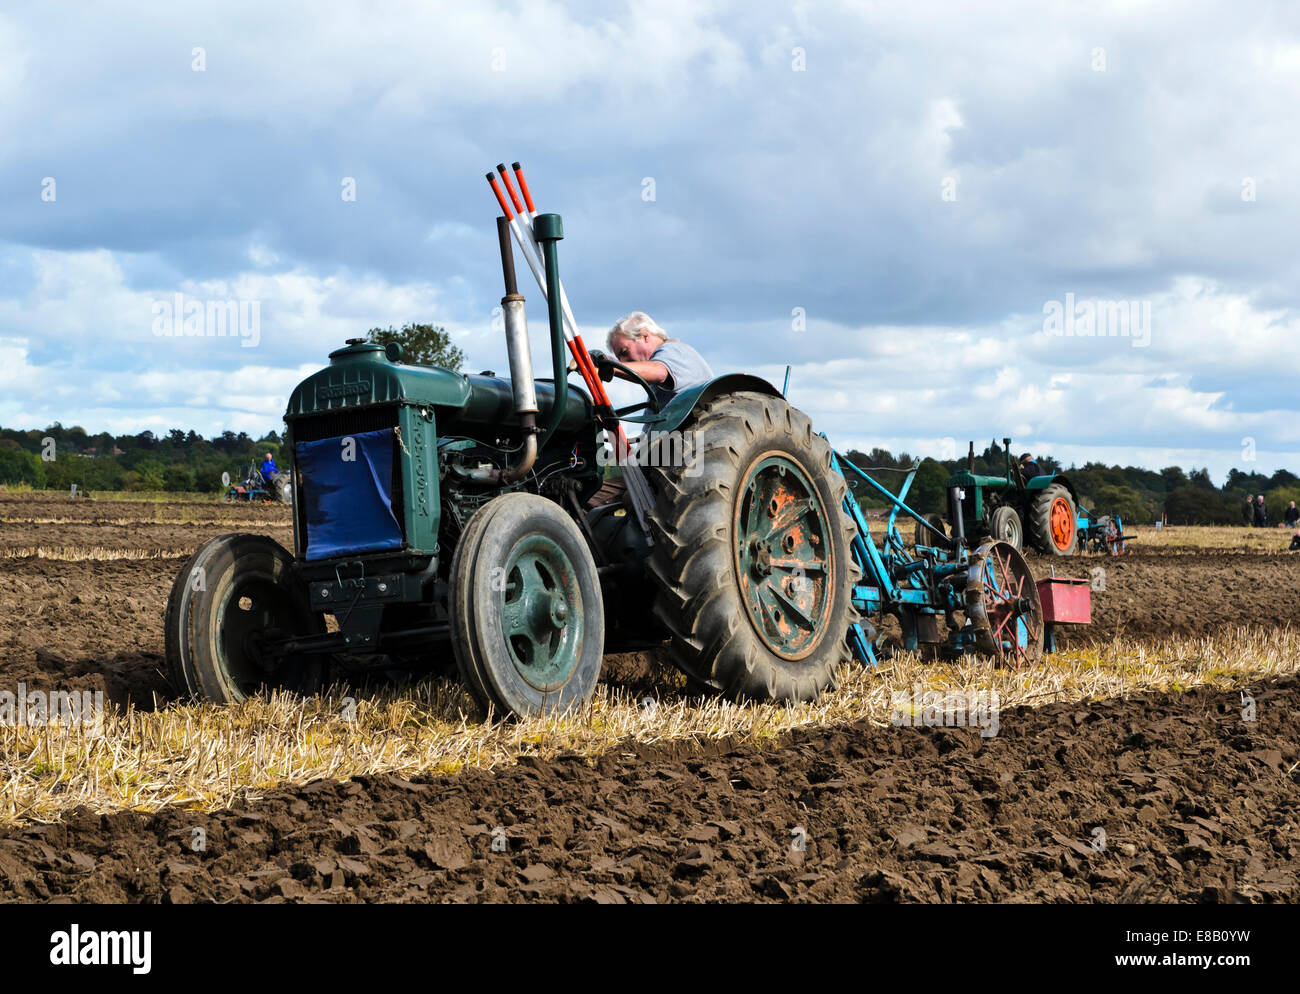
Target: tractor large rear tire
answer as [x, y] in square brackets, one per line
[233, 595]
[752, 553]
[923, 536]
[1054, 522]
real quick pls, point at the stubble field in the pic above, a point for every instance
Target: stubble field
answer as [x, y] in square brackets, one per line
[1122, 768]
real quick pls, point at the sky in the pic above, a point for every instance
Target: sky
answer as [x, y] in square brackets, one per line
[1073, 224]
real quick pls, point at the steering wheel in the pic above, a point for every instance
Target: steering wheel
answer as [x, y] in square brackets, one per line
[623, 373]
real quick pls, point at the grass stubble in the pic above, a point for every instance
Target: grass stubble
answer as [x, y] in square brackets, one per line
[208, 757]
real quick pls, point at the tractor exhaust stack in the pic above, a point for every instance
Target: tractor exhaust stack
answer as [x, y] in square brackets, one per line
[518, 351]
[520, 356]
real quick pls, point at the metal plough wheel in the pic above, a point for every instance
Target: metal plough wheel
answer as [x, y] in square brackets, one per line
[1002, 605]
[1114, 536]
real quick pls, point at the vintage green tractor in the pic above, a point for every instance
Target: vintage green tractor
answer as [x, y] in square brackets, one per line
[441, 522]
[1042, 511]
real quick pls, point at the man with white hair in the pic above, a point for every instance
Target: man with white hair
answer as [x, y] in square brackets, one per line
[669, 366]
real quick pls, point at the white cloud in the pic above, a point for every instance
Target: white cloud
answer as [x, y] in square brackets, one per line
[776, 189]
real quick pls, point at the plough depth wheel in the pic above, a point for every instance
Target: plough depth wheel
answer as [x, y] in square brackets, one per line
[1114, 536]
[1002, 605]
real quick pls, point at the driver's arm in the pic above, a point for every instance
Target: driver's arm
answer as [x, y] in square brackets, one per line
[650, 371]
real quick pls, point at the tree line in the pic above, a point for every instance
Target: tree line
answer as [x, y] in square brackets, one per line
[184, 461]
[180, 460]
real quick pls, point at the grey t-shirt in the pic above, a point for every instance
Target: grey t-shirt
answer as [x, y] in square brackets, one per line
[686, 369]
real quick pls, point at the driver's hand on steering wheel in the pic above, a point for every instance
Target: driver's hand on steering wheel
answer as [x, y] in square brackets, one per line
[604, 364]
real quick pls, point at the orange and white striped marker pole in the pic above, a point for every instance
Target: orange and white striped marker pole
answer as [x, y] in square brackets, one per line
[520, 220]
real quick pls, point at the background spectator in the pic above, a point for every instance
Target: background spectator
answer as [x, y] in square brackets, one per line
[1261, 512]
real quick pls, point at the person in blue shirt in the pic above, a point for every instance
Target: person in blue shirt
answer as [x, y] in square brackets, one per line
[268, 468]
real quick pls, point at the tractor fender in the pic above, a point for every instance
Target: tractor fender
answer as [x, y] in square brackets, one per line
[680, 408]
[1049, 479]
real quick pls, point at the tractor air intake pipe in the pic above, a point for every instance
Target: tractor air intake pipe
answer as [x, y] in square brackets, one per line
[1006, 451]
[549, 229]
[520, 357]
[954, 512]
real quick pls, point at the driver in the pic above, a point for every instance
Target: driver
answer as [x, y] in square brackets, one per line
[268, 468]
[1029, 467]
[669, 366]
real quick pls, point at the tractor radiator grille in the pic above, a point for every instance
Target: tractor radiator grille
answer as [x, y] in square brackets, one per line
[336, 424]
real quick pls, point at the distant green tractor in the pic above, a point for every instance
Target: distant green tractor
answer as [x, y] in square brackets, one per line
[1043, 509]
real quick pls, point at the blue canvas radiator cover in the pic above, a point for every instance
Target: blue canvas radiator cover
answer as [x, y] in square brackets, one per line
[348, 502]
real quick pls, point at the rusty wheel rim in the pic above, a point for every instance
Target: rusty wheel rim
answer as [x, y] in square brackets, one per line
[1003, 606]
[1062, 523]
[1013, 629]
[782, 555]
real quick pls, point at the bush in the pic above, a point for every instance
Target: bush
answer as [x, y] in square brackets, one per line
[1124, 501]
[148, 474]
[1195, 505]
[178, 478]
[17, 466]
[929, 491]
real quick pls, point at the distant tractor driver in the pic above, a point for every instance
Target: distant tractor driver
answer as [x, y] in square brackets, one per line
[268, 468]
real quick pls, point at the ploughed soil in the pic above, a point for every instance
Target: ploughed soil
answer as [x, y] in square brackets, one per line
[1166, 798]
[61, 507]
[1159, 593]
[1195, 804]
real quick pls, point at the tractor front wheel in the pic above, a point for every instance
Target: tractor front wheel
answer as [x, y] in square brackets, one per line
[1005, 526]
[527, 619]
[923, 536]
[752, 553]
[234, 598]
